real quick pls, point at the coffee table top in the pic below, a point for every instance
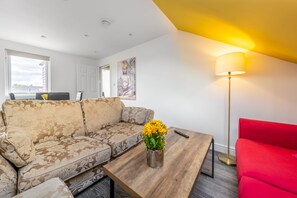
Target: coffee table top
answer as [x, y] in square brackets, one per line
[183, 159]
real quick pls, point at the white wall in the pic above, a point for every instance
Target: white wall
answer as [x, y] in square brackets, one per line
[63, 67]
[176, 78]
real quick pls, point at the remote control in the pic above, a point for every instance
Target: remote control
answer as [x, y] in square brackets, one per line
[181, 133]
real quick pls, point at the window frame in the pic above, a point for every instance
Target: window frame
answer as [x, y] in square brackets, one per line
[8, 72]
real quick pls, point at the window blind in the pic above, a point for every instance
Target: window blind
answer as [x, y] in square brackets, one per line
[26, 55]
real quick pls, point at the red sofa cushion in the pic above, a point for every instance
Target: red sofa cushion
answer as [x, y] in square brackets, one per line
[252, 188]
[271, 164]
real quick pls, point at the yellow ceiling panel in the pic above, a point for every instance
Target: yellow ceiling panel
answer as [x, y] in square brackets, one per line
[265, 26]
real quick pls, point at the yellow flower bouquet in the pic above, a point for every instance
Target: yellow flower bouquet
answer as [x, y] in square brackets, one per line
[153, 136]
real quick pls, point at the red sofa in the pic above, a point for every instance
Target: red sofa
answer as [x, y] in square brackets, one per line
[266, 165]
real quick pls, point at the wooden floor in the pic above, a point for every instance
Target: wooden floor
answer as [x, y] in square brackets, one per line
[224, 184]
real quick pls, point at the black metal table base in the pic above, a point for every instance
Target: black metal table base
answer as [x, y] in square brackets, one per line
[212, 161]
[111, 192]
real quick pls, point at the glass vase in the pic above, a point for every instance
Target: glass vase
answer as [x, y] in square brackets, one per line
[155, 158]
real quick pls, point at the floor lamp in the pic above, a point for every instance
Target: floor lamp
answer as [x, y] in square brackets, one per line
[228, 65]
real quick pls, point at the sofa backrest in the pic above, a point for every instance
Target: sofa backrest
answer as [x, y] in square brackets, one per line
[99, 113]
[45, 120]
[8, 179]
[274, 133]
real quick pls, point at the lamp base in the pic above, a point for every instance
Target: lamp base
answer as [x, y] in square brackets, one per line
[230, 161]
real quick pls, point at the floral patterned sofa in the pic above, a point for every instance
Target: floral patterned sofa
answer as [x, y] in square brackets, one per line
[71, 140]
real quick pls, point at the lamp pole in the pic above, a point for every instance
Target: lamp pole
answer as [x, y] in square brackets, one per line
[227, 158]
[229, 107]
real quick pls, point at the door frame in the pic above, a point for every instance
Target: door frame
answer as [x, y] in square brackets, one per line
[100, 82]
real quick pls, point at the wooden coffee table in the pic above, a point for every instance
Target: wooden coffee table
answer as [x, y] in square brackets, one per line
[183, 159]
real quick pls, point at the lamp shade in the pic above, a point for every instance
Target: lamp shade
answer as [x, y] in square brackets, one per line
[232, 62]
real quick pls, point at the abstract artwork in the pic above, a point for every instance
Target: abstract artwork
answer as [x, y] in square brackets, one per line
[127, 79]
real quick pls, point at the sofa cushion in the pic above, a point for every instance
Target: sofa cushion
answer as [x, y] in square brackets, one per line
[270, 164]
[65, 159]
[252, 188]
[99, 113]
[45, 120]
[16, 146]
[120, 136]
[137, 115]
[8, 179]
[52, 188]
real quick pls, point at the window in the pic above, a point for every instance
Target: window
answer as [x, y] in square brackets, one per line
[27, 73]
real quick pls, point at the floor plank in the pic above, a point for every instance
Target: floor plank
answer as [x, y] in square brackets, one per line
[224, 184]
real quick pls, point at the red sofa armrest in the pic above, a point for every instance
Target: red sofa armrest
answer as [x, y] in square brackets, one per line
[277, 134]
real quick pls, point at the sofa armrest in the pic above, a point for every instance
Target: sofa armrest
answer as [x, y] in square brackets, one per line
[273, 133]
[51, 188]
[137, 115]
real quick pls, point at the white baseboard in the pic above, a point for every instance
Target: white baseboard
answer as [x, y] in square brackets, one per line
[223, 148]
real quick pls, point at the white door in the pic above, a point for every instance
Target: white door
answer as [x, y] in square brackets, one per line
[88, 80]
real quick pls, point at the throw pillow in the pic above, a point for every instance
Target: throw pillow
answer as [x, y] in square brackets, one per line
[134, 115]
[17, 146]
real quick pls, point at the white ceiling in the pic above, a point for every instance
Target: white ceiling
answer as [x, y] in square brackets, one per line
[64, 23]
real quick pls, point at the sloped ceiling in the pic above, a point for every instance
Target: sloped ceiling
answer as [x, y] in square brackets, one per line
[264, 26]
